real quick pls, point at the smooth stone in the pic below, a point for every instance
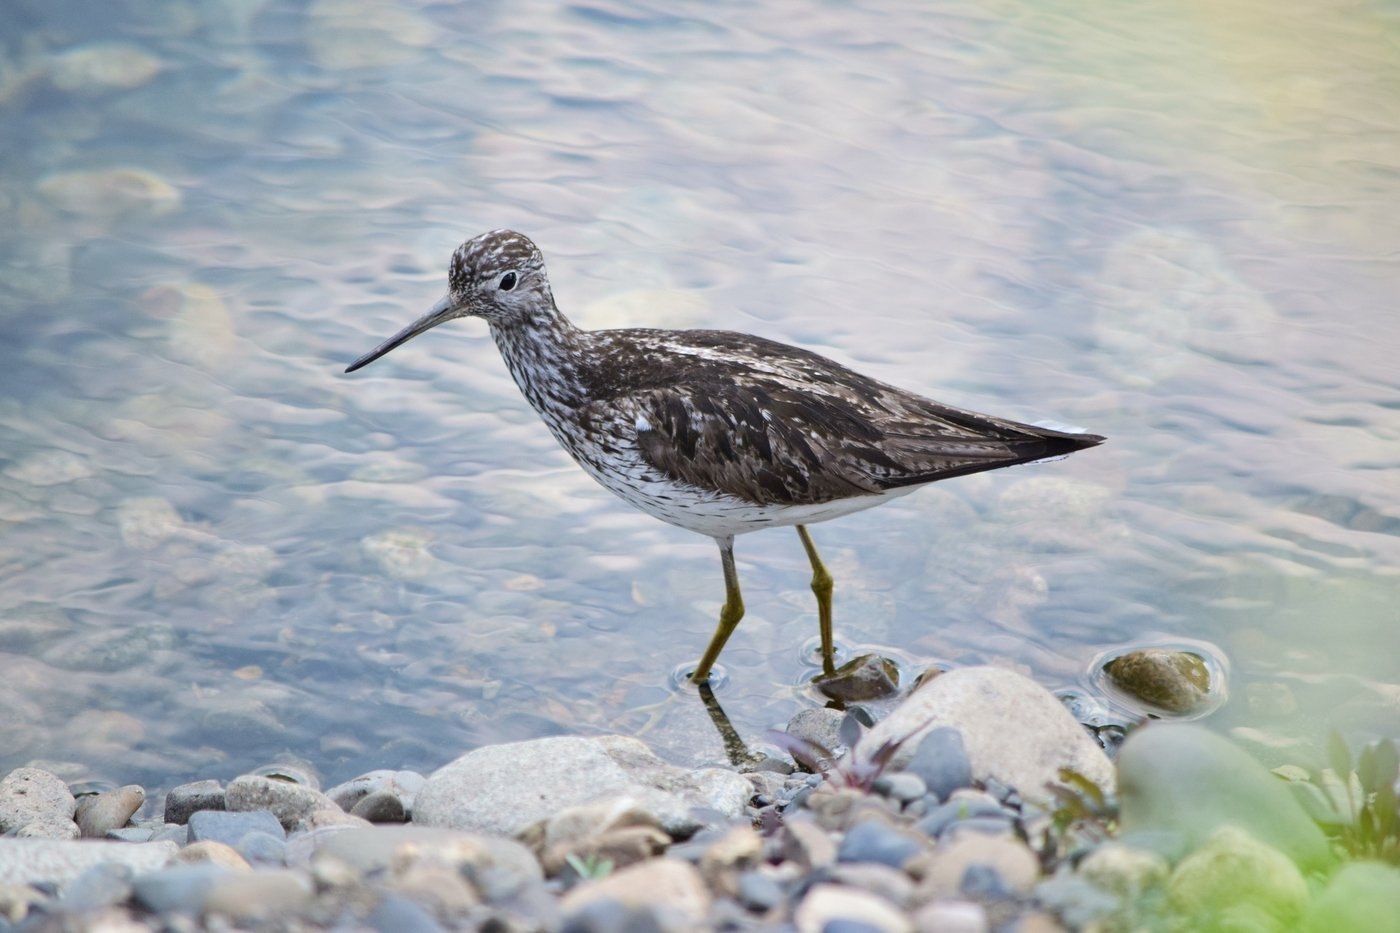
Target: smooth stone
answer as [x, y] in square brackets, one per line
[293, 804]
[819, 727]
[890, 883]
[941, 872]
[60, 861]
[230, 827]
[615, 830]
[262, 848]
[951, 917]
[758, 891]
[607, 916]
[1360, 896]
[1235, 875]
[864, 677]
[673, 885]
[98, 887]
[874, 841]
[1015, 730]
[1123, 870]
[397, 914]
[505, 788]
[901, 786]
[1179, 783]
[724, 860]
[49, 828]
[956, 809]
[1172, 681]
[258, 895]
[940, 760]
[401, 785]
[435, 884]
[984, 883]
[826, 905]
[807, 845]
[190, 798]
[131, 834]
[990, 825]
[31, 795]
[209, 850]
[178, 888]
[99, 814]
[496, 866]
[380, 807]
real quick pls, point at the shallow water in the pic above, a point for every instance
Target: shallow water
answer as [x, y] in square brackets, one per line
[1174, 226]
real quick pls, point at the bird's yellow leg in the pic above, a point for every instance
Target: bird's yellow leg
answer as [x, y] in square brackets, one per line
[729, 614]
[821, 586]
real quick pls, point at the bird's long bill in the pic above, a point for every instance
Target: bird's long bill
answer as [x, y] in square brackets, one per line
[442, 311]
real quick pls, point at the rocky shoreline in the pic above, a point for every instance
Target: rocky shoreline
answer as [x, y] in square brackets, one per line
[978, 804]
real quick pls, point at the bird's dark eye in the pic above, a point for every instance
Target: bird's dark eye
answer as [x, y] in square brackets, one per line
[507, 282]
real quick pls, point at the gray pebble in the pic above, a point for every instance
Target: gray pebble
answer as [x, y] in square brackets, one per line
[944, 815]
[136, 834]
[900, 785]
[873, 841]
[177, 889]
[397, 914]
[98, 887]
[229, 828]
[181, 801]
[999, 825]
[759, 891]
[984, 883]
[263, 847]
[941, 762]
[846, 925]
[819, 726]
[380, 807]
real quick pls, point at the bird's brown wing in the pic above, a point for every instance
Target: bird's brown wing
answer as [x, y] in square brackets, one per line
[767, 441]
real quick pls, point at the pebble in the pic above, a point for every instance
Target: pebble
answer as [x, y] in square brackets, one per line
[177, 889]
[759, 891]
[254, 896]
[30, 797]
[865, 677]
[230, 828]
[940, 760]
[903, 786]
[827, 908]
[942, 871]
[181, 801]
[100, 886]
[875, 841]
[1164, 679]
[397, 914]
[952, 917]
[1015, 730]
[380, 807]
[212, 851]
[505, 788]
[820, 727]
[99, 814]
[677, 885]
[294, 805]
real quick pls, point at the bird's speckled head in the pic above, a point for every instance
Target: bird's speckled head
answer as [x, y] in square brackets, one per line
[498, 276]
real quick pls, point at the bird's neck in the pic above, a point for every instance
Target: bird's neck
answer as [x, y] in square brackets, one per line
[546, 355]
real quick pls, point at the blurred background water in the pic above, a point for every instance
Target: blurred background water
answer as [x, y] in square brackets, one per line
[1175, 224]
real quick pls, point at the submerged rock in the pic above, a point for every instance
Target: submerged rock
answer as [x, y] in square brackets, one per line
[1173, 681]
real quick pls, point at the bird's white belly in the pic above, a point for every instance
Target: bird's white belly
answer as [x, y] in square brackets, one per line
[711, 513]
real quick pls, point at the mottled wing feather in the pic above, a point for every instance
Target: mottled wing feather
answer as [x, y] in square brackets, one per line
[775, 424]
